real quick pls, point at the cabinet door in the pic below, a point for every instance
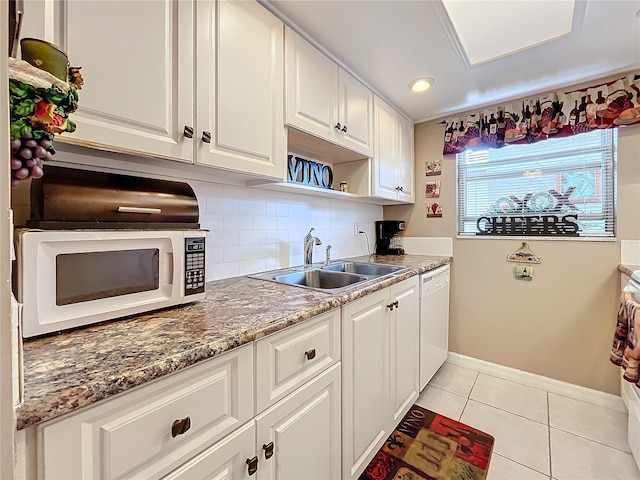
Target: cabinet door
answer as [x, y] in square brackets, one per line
[312, 88]
[226, 460]
[240, 93]
[355, 103]
[365, 380]
[304, 429]
[405, 344]
[406, 166]
[384, 175]
[137, 63]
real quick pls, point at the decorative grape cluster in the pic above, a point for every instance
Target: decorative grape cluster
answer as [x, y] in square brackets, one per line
[621, 103]
[27, 155]
[39, 108]
[581, 127]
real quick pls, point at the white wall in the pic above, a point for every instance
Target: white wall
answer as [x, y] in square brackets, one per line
[253, 230]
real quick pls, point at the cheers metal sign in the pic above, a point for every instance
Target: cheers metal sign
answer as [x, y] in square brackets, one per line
[545, 213]
[308, 172]
[528, 225]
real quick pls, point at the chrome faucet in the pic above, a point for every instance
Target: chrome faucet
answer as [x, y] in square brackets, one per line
[309, 242]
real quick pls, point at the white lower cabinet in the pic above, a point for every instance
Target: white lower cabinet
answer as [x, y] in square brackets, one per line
[299, 437]
[380, 370]
[306, 402]
[405, 348]
[365, 380]
[150, 431]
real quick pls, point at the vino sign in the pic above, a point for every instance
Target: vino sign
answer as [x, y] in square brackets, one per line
[308, 172]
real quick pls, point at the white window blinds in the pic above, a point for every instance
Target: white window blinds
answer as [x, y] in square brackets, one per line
[559, 187]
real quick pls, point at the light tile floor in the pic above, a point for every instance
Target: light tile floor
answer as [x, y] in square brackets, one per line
[539, 435]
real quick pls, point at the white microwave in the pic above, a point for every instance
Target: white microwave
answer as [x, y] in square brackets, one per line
[71, 278]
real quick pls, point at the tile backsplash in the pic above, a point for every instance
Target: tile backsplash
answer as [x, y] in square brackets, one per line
[253, 230]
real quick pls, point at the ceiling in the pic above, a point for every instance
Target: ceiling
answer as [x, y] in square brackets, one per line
[388, 43]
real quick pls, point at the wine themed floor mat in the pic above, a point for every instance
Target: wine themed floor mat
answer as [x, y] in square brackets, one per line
[429, 446]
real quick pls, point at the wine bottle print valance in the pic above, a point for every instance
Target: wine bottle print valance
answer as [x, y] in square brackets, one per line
[556, 114]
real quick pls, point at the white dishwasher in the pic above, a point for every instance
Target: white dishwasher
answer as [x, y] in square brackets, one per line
[434, 322]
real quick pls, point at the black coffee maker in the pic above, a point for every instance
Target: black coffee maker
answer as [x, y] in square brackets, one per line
[387, 237]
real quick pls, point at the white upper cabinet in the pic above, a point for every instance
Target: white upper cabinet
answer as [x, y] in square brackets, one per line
[406, 174]
[240, 88]
[355, 114]
[324, 100]
[393, 171]
[137, 67]
[312, 87]
[147, 93]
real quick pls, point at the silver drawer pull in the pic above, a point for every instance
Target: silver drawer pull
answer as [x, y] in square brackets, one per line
[310, 354]
[138, 210]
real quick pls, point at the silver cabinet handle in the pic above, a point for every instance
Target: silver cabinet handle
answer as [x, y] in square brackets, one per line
[206, 137]
[338, 126]
[138, 210]
[188, 131]
[344, 128]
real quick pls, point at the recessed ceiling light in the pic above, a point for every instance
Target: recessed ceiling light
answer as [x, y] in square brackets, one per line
[421, 84]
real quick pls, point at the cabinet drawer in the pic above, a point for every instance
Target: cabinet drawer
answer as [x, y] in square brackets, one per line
[131, 435]
[287, 359]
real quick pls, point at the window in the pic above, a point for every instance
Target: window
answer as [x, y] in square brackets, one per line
[557, 187]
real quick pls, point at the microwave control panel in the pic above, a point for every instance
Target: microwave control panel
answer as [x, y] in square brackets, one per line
[194, 276]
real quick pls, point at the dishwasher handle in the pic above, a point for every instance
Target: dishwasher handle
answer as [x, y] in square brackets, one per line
[434, 281]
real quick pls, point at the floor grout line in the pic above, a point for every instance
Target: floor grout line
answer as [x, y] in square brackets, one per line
[520, 463]
[468, 396]
[590, 439]
[507, 411]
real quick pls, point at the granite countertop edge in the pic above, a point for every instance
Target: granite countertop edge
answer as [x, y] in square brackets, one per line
[628, 269]
[49, 402]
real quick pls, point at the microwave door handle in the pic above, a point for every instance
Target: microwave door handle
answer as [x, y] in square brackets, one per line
[168, 279]
[124, 209]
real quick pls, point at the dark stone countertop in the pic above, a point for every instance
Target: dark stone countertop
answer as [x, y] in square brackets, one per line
[628, 269]
[73, 369]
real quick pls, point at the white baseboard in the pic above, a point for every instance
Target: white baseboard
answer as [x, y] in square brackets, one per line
[594, 397]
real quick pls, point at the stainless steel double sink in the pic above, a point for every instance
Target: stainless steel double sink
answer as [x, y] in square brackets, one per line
[332, 278]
